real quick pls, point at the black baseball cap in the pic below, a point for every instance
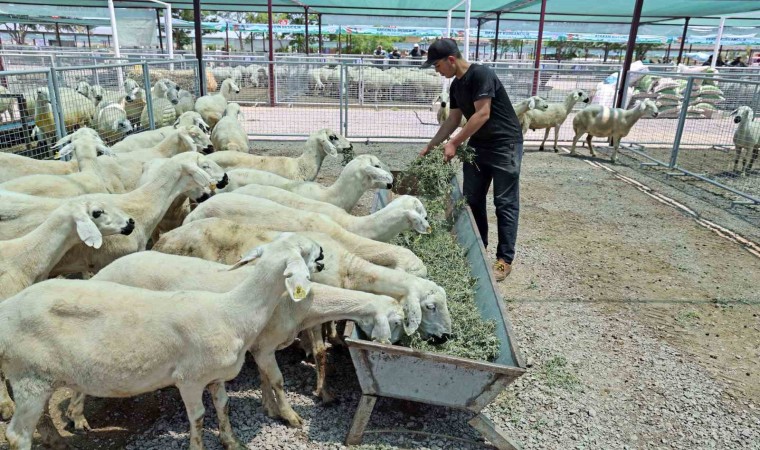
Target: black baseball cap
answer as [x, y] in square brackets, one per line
[442, 48]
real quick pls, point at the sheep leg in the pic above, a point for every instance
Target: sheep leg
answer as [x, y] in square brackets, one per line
[575, 141]
[319, 351]
[32, 397]
[590, 147]
[268, 401]
[546, 135]
[736, 160]
[268, 364]
[752, 160]
[75, 411]
[615, 145]
[222, 406]
[192, 397]
[556, 137]
[6, 404]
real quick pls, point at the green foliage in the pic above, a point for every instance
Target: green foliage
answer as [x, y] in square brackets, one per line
[556, 373]
[563, 49]
[640, 50]
[361, 44]
[472, 337]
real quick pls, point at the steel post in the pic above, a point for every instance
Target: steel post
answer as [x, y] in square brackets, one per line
[496, 40]
[160, 37]
[272, 78]
[199, 44]
[681, 123]
[631, 46]
[148, 96]
[60, 127]
[537, 63]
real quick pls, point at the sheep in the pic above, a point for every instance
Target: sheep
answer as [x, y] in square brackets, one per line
[597, 120]
[185, 102]
[161, 339]
[180, 139]
[89, 179]
[163, 113]
[184, 173]
[529, 104]
[150, 138]
[553, 117]
[274, 216]
[363, 173]
[445, 109]
[211, 107]
[303, 168]
[351, 263]
[746, 136]
[134, 102]
[403, 213]
[378, 316]
[228, 134]
[111, 121]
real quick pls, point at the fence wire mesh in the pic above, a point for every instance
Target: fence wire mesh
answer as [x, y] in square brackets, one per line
[24, 119]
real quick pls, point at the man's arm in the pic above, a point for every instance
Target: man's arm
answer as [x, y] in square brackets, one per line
[481, 116]
[447, 127]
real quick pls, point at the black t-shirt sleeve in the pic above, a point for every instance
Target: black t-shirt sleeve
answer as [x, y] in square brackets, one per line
[453, 98]
[484, 85]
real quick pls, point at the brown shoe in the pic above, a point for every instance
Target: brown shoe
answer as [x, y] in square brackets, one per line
[501, 269]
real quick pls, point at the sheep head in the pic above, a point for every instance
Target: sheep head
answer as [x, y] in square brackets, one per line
[332, 142]
[436, 319]
[83, 88]
[206, 175]
[370, 167]
[743, 114]
[648, 105]
[95, 219]
[580, 96]
[196, 139]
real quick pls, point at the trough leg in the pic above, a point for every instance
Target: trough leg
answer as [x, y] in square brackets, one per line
[485, 427]
[361, 419]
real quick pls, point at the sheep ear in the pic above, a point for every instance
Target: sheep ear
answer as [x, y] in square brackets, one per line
[104, 149]
[381, 330]
[176, 123]
[532, 103]
[637, 104]
[188, 140]
[200, 177]
[201, 124]
[248, 257]
[87, 230]
[734, 111]
[419, 223]
[66, 150]
[413, 315]
[297, 280]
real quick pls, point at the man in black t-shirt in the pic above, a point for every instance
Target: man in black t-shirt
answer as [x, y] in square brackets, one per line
[495, 134]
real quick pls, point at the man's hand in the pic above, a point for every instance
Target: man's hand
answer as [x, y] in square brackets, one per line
[449, 151]
[424, 151]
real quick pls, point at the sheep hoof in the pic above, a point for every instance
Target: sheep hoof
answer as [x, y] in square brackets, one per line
[541, 148]
[556, 150]
[6, 409]
[326, 396]
[233, 444]
[81, 424]
[293, 419]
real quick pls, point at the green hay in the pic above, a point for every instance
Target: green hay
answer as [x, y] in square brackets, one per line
[473, 337]
[348, 155]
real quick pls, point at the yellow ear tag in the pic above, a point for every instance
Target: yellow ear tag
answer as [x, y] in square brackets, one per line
[429, 229]
[212, 187]
[299, 293]
[57, 155]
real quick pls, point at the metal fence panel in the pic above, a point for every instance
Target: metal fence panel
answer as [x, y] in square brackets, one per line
[18, 103]
[167, 107]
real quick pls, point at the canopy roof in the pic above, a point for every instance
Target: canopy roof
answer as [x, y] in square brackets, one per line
[703, 12]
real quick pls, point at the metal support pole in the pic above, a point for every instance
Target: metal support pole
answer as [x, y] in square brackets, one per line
[319, 19]
[55, 104]
[169, 32]
[306, 34]
[683, 39]
[681, 123]
[667, 54]
[227, 36]
[149, 96]
[496, 40]
[630, 48]
[75, 40]
[89, 41]
[338, 44]
[477, 42]
[114, 32]
[716, 50]
[467, 16]
[272, 78]
[340, 102]
[160, 37]
[537, 63]
[252, 51]
[199, 44]
[58, 35]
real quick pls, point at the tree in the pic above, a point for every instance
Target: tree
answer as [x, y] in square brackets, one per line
[563, 49]
[364, 44]
[232, 17]
[640, 50]
[18, 31]
[181, 37]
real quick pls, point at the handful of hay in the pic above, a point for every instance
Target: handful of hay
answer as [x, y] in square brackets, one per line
[472, 337]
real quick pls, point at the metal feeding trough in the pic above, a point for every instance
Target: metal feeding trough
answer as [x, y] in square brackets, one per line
[433, 378]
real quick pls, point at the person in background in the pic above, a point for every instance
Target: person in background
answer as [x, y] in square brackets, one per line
[737, 62]
[416, 52]
[379, 51]
[495, 134]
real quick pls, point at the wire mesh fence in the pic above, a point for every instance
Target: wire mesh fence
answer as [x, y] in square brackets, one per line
[26, 112]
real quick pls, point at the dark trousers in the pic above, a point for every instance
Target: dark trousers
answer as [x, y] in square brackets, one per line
[501, 165]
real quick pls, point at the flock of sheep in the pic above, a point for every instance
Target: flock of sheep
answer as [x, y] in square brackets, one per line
[265, 254]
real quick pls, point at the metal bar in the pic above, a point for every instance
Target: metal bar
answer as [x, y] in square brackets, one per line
[306, 29]
[160, 37]
[720, 185]
[496, 41]
[89, 41]
[55, 99]
[716, 49]
[319, 18]
[199, 44]
[341, 100]
[227, 36]
[681, 123]
[251, 36]
[58, 35]
[148, 96]
[272, 78]
[631, 46]
[467, 15]
[485, 427]
[539, 38]
[477, 42]
[361, 419]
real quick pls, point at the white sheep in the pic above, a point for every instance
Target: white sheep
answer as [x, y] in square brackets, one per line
[444, 109]
[553, 117]
[530, 104]
[6, 103]
[363, 173]
[134, 102]
[228, 134]
[163, 113]
[186, 138]
[378, 316]
[404, 213]
[211, 107]
[160, 340]
[150, 138]
[303, 168]
[597, 120]
[77, 113]
[746, 137]
[185, 102]
[89, 179]
[111, 121]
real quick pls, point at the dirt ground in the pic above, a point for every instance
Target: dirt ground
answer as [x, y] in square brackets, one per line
[639, 300]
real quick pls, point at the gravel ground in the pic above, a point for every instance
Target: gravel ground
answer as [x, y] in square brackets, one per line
[641, 330]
